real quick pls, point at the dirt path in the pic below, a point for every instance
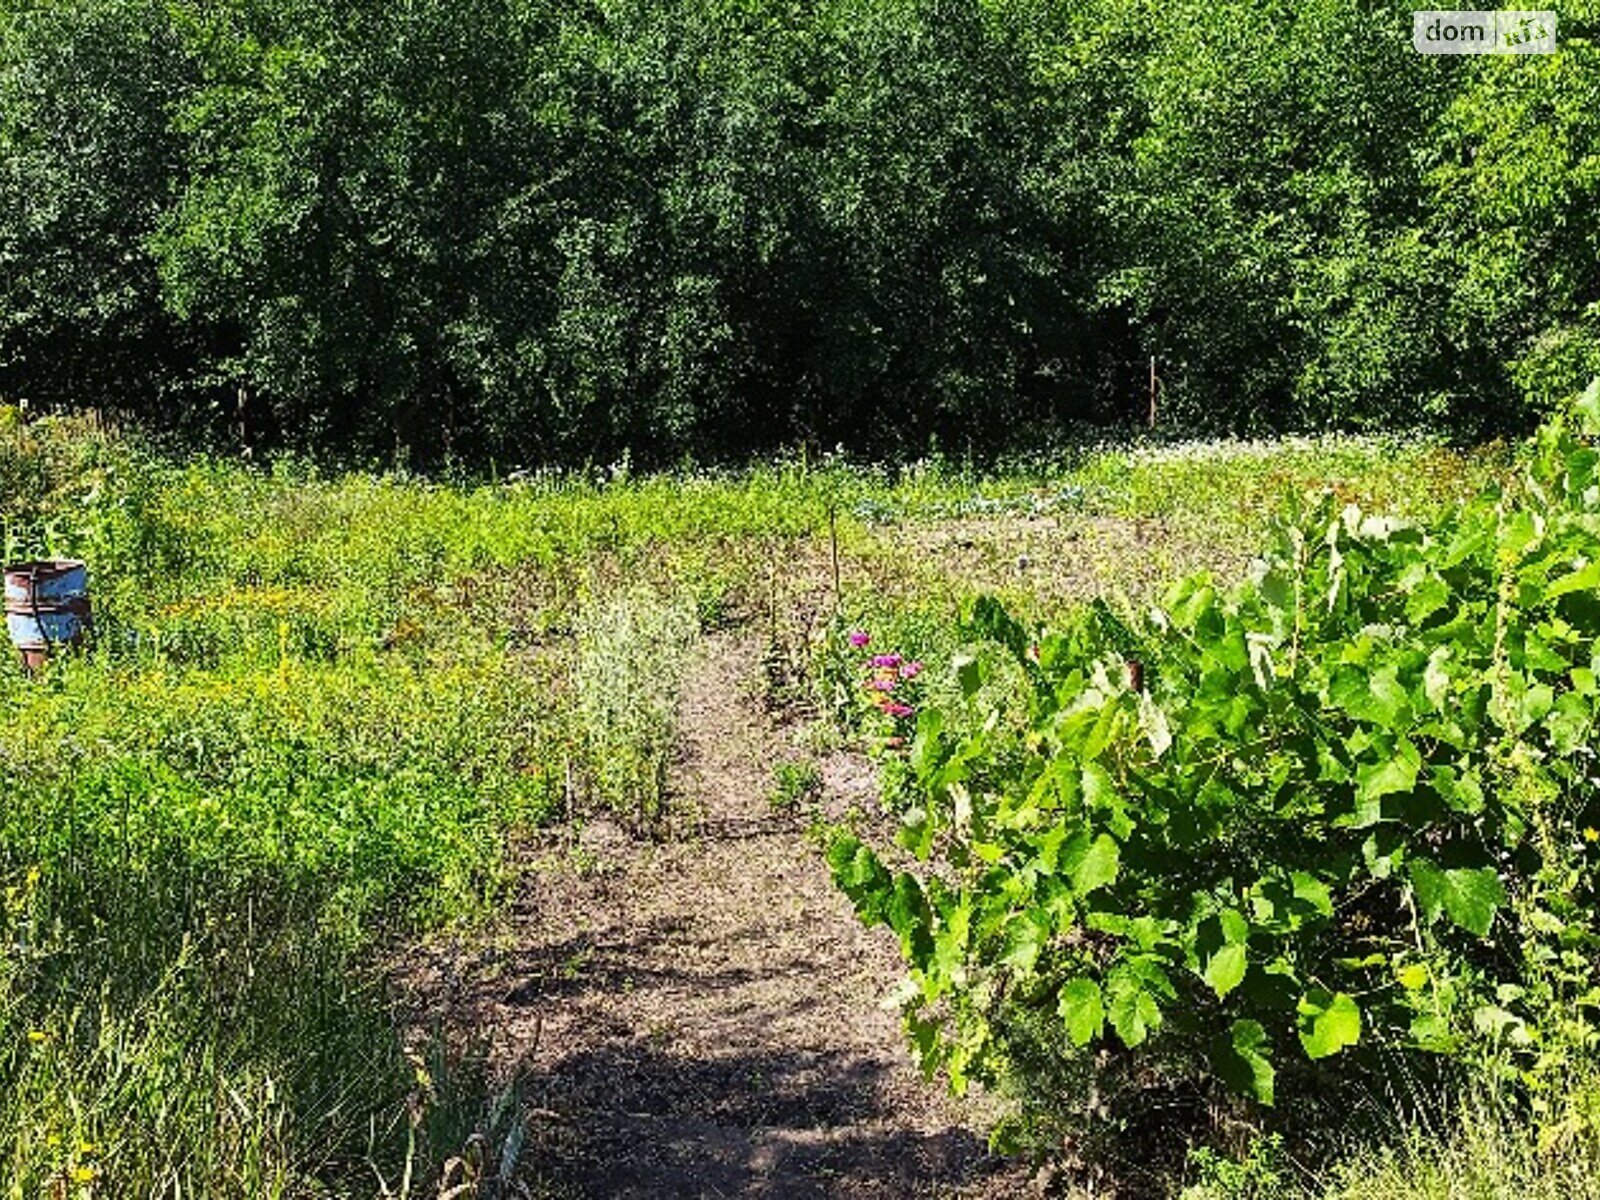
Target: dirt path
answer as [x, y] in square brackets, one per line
[702, 1017]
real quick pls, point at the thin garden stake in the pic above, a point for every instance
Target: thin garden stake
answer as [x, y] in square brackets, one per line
[833, 542]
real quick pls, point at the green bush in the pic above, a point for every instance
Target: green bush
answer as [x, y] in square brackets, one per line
[1342, 813]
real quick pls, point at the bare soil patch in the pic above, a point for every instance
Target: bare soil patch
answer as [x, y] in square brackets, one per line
[702, 1016]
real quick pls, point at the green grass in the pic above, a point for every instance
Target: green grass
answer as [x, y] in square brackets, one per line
[1481, 1145]
[318, 707]
[795, 784]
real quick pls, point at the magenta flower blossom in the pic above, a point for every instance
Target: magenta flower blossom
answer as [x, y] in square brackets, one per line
[897, 710]
[911, 670]
[886, 660]
[859, 638]
[881, 685]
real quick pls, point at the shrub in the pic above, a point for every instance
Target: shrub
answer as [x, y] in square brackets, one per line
[1268, 839]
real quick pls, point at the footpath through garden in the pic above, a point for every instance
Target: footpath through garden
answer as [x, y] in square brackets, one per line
[702, 1016]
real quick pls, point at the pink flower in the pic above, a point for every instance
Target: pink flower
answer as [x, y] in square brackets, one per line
[897, 710]
[881, 685]
[859, 638]
[911, 670]
[886, 660]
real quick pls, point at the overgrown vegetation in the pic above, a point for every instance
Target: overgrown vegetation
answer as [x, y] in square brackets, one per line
[1293, 840]
[320, 712]
[1302, 856]
[528, 231]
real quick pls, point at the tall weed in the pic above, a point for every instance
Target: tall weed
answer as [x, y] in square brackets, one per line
[633, 650]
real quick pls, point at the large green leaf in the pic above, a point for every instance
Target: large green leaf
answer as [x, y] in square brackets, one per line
[1310, 890]
[1374, 696]
[1584, 579]
[1587, 407]
[1225, 969]
[907, 913]
[1131, 991]
[1091, 864]
[1226, 963]
[1082, 1008]
[1025, 937]
[861, 876]
[1329, 1022]
[1241, 1060]
[1469, 897]
[1395, 773]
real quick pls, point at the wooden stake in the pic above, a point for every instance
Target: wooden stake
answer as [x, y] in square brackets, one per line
[833, 542]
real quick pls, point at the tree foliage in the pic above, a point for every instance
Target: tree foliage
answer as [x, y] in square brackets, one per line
[557, 232]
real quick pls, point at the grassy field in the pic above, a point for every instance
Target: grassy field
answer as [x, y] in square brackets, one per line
[320, 712]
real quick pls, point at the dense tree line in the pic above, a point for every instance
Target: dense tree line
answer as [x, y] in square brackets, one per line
[552, 231]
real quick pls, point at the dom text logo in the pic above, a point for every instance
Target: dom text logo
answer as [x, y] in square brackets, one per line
[1501, 32]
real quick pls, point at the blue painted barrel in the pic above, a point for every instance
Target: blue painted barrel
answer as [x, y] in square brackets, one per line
[46, 605]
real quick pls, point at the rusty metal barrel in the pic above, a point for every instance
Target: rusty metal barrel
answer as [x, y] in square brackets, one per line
[47, 606]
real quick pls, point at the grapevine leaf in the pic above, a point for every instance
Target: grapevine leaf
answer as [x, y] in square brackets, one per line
[1082, 1008]
[1104, 729]
[861, 877]
[1328, 1022]
[1098, 788]
[950, 943]
[907, 913]
[1426, 598]
[1569, 723]
[1155, 725]
[928, 748]
[1433, 1033]
[1534, 704]
[1233, 925]
[1436, 679]
[1133, 1014]
[925, 1041]
[1459, 789]
[1100, 794]
[1588, 407]
[1376, 697]
[1518, 532]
